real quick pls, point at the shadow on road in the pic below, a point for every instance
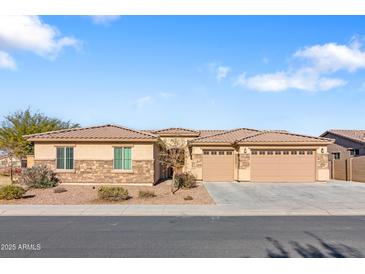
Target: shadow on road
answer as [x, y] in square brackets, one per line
[321, 249]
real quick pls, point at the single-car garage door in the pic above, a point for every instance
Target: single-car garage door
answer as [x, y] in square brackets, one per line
[218, 165]
[283, 166]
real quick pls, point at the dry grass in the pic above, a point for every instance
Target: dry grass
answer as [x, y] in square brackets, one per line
[88, 195]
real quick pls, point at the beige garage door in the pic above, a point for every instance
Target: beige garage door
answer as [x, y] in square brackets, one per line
[218, 165]
[283, 166]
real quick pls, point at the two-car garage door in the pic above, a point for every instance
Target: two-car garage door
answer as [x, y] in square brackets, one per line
[283, 166]
[265, 165]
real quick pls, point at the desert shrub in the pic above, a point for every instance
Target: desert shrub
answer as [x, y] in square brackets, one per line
[60, 190]
[39, 177]
[11, 192]
[146, 194]
[185, 180]
[188, 198]
[113, 193]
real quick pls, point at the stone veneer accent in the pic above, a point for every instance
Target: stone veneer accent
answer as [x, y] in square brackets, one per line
[322, 161]
[244, 161]
[97, 171]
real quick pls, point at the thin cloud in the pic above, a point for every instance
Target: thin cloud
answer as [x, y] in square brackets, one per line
[220, 71]
[6, 61]
[144, 101]
[316, 64]
[104, 19]
[166, 94]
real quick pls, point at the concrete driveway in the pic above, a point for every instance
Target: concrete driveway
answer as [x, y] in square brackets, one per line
[334, 197]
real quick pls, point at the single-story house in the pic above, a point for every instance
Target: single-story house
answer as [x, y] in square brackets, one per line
[348, 143]
[116, 154]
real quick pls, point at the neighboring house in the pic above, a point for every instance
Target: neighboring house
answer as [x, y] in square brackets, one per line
[348, 143]
[115, 154]
[5, 162]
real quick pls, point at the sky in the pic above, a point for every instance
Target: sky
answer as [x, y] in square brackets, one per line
[304, 74]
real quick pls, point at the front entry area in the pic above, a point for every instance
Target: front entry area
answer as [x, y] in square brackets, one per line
[283, 165]
[218, 165]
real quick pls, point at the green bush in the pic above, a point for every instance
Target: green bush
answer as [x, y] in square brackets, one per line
[39, 177]
[188, 198]
[185, 180]
[11, 192]
[113, 193]
[146, 194]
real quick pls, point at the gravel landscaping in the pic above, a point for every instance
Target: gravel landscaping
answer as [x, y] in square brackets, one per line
[88, 195]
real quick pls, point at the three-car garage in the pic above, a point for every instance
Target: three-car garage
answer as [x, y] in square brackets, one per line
[246, 155]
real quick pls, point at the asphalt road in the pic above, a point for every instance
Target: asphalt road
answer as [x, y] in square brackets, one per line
[182, 237]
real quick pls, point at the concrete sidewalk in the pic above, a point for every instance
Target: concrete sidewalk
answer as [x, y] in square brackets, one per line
[164, 210]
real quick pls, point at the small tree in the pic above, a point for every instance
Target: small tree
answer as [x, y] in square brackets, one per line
[21, 123]
[172, 156]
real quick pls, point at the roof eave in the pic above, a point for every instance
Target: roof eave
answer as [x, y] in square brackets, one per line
[178, 135]
[343, 136]
[211, 144]
[98, 140]
[287, 143]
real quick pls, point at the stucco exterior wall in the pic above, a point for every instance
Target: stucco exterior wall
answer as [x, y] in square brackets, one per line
[197, 163]
[342, 145]
[86, 151]
[183, 141]
[93, 163]
[157, 164]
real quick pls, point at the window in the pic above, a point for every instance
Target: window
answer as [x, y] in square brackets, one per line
[336, 155]
[293, 152]
[309, 152]
[301, 152]
[254, 152]
[221, 152]
[270, 152]
[262, 152]
[277, 152]
[229, 153]
[286, 152]
[354, 152]
[123, 158]
[65, 158]
[206, 152]
[213, 152]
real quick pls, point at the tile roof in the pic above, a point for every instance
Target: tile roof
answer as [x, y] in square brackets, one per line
[209, 132]
[97, 133]
[279, 136]
[357, 135]
[228, 136]
[176, 131]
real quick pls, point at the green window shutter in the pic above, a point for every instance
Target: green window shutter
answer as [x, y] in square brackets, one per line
[127, 157]
[118, 158]
[69, 157]
[60, 158]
